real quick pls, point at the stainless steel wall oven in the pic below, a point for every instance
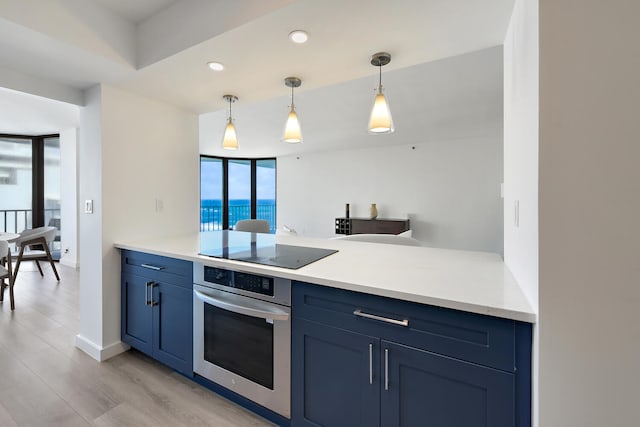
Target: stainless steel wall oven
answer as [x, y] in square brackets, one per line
[242, 334]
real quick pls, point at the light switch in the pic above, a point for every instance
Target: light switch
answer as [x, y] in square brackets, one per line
[159, 205]
[88, 206]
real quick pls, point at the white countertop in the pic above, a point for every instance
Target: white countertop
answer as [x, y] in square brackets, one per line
[476, 282]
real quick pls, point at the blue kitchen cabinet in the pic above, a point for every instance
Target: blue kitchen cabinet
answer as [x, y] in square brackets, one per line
[338, 379]
[136, 313]
[157, 308]
[447, 392]
[173, 326]
[429, 366]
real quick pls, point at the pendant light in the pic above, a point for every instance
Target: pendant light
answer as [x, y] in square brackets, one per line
[292, 131]
[380, 120]
[230, 139]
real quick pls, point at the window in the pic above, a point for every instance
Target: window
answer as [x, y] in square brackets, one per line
[236, 189]
[30, 183]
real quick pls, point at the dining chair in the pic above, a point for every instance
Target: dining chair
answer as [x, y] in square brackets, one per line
[5, 272]
[33, 239]
[253, 225]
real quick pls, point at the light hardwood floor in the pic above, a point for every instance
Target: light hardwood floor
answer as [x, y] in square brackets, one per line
[46, 381]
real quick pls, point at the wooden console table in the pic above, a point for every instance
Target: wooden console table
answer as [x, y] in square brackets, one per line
[371, 226]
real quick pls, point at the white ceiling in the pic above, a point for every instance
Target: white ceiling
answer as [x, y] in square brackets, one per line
[135, 10]
[159, 49]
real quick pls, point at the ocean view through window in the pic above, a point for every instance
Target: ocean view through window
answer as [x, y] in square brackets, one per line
[236, 189]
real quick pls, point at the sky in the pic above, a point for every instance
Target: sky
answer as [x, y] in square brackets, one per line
[239, 180]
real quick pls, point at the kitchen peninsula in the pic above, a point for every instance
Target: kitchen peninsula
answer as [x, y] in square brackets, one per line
[476, 282]
[368, 324]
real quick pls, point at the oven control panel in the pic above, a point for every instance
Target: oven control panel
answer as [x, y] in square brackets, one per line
[239, 280]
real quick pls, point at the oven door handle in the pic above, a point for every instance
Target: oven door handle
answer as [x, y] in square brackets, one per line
[267, 312]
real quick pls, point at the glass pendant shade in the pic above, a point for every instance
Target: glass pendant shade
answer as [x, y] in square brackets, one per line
[380, 120]
[292, 131]
[230, 139]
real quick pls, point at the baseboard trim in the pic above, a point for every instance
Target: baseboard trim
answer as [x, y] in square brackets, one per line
[69, 263]
[100, 353]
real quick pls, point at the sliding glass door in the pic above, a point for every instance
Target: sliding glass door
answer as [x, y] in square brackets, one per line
[51, 189]
[16, 184]
[30, 183]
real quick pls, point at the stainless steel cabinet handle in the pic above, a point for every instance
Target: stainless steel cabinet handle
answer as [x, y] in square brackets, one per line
[147, 300]
[153, 303]
[360, 313]
[370, 363]
[152, 267]
[386, 369]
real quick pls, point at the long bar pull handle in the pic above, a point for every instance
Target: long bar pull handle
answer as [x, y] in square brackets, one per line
[370, 363]
[386, 369]
[360, 313]
[153, 303]
[152, 267]
[147, 300]
[234, 304]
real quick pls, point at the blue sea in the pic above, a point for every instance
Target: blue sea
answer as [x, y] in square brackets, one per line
[211, 212]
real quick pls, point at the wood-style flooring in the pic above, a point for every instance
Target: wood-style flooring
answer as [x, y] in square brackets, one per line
[46, 381]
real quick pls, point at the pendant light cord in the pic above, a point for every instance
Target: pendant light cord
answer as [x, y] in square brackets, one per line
[292, 104]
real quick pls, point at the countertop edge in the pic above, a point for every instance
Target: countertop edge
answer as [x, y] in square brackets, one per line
[517, 315]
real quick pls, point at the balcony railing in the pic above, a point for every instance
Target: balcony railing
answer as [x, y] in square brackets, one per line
[16, 220]
[211, 216]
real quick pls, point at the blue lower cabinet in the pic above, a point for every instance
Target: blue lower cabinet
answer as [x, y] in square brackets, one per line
[173, 327]
[363, 360]
[137, 320]
[422, 388]
[335, 376]
[157, 316]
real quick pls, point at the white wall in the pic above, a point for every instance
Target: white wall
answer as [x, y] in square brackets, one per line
[90, 226]
[521, 160]
[589, 211]
[521, 146]
[69, 197]
[25, 114]
[145, 151]
[450, 189]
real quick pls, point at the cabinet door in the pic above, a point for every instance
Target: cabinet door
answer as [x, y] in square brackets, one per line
[427, 389]
[331, 384]
[173, 326]
[136, 312]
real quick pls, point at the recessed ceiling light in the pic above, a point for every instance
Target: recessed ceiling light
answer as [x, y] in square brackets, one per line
[216, 66]
[298, 36]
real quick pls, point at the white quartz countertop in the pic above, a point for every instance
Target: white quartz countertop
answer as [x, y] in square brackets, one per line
[476, 282]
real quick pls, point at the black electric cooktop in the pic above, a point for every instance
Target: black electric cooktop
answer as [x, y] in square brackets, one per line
[258, 248]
